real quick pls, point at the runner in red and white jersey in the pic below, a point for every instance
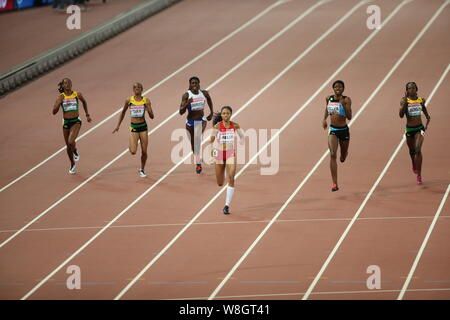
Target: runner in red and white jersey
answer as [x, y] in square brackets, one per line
[224, 150]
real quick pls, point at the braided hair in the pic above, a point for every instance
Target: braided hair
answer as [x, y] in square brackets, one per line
[218, 115]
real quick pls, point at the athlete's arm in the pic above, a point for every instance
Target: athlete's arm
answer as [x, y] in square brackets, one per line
[403, 106]
[211, 141]
[185, 102]
[214, 133]
[240, 133]
[148, 106]
[122, 114]
[57, 104]
[85, 107]
[348, 108]
[325, 115]
[425, 112]
[210, 104]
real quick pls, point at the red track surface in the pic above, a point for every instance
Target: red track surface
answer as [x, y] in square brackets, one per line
[388, 232]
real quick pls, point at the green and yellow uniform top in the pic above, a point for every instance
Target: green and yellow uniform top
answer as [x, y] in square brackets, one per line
[70, 103]
[414, 108]
[137, 108]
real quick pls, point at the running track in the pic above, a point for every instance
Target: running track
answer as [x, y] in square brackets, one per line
[288, 236]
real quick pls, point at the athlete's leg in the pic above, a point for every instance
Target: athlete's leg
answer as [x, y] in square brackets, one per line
[333, 146]
[74, 131]
[231, 171]
[66, 133]
[143, 137]
[418, 141]
[344, 144]
[412, 151]
[220, 173]
[197, 143]
[203, 126]
[190, 134]
[134, 138]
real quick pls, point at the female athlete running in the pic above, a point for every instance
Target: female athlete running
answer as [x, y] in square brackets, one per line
[412, 106]
[68, 102]
[224, 152]
[338, 107]
[138, 127]
[194, 101]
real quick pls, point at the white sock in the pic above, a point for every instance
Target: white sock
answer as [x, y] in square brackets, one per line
[230, 191]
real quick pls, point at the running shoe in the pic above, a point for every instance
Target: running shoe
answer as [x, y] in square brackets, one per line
[142, 173]
[198, 168]
[72, 169]
[419, 179]
[226, 210]
[76, 156]
[334, 187]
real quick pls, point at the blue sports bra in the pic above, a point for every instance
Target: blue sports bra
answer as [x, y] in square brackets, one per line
[335, 106]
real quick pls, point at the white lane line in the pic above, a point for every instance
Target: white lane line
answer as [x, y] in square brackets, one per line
[260, 48]
[314, 293]
[424, 243]
[157, 225]
[187, 156]
[280, 211]
[245, 25]
[347, 230]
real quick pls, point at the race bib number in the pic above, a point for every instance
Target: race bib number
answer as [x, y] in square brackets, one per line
[415, 109]
[333, 107]
[227, 136]
[137, 111]
[70, 105]
[197, 104]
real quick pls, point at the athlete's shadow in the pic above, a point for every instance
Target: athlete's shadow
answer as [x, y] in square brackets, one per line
[431, 186]
[322, 204]
[119, 170]
[262, 207]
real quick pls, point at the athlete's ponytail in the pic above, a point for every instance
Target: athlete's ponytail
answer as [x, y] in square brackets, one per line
[60, 85]
[60, 88]
[216, 118]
